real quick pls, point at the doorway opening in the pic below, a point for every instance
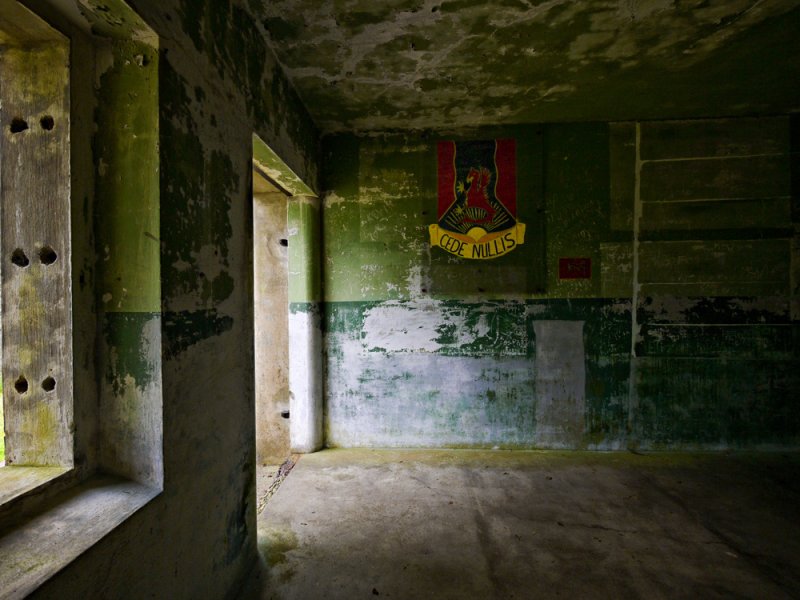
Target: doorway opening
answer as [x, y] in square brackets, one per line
[286, 319]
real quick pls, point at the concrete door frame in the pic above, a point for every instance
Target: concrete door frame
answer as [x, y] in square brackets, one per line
[305, 332]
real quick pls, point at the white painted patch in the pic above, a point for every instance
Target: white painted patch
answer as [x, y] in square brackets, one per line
[424, 400]
[560, 383]
[396, 327]
[417, 326]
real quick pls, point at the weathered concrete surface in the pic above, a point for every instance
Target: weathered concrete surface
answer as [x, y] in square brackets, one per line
[454, 63]
[689, 337]
[181, 248]
[482, 524]
[271, 308]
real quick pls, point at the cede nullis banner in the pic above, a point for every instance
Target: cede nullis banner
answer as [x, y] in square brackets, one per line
[477, 215]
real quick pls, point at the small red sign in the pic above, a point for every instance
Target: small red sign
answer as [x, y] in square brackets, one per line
[574, 268]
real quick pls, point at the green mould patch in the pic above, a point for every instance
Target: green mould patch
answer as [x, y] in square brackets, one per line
[128, 347]
[186, 328]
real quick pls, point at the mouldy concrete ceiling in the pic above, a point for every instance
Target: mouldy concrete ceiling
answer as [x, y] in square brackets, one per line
[399, 64]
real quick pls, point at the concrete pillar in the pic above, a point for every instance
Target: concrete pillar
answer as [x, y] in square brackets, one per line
[305, 331]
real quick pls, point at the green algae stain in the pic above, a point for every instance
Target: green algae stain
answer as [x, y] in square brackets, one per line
[42, 80]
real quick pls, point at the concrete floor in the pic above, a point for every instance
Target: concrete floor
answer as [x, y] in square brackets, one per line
[494, 524]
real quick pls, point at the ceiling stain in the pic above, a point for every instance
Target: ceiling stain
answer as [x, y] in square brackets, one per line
[361, 65]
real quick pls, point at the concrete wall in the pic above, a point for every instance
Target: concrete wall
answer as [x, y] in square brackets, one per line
[271, 274]
[683, 335]
[185, 337]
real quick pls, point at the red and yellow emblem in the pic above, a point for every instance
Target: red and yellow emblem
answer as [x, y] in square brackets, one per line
[477, 199]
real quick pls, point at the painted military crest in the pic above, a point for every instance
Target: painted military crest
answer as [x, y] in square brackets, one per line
[477, 216]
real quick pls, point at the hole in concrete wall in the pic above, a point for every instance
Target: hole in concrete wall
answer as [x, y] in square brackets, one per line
[47, 255]
[19, 258]
[21, 384]
[18, 124]
[285, 414]
[49, 384]
[284, 242]
[47, 122]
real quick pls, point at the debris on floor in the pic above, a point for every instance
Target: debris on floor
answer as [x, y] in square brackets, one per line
[277, 478]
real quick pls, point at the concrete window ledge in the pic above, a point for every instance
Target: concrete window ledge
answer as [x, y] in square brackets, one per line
[42, 544]
[19, 481]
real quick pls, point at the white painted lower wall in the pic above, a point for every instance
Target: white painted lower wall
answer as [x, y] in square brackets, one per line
[305, 379]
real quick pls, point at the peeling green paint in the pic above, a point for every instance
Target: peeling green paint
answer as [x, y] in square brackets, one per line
[129, 354]
[715, 296]
[304, 250]
[126, 161]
